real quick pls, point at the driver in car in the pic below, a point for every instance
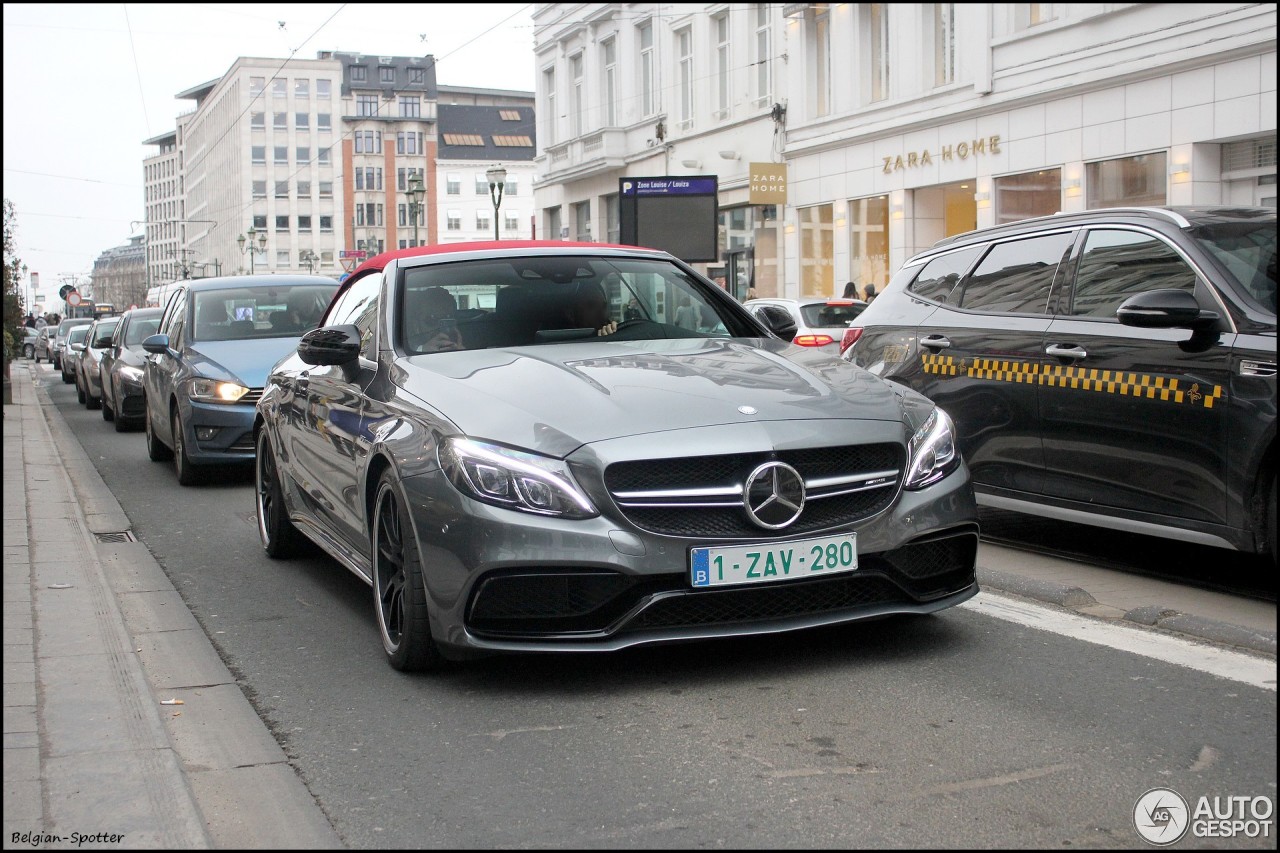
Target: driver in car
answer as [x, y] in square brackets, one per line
[589, 309]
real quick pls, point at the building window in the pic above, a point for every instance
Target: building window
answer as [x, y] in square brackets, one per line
[417, 75]
[359, 73]
[648, 83]
[323, 89]
[817, 250]
[326, 222]
[386, 73]
[302, 121]
[764, 55]
[259, 189]
[721, 24]
[582, 221]
[878, 56]
[453, 218]
[510, 220]
[304, 189]
[944, 43]
[282, 223]
[366, 105]
[304, 154]
[549, 87]
[359, 214]
[409, 142]
[258, 153]
[302, 89]
[280, 121]
[304, 223]
[512, 186]
[326, 189]
[578, 97]
[260, 221]
[359, 179]
[282, 189]
[609, 58]
[258, 121]
[1032, 14]
[323, 158]
[368, 141]
[324, 121]
[453, 184]
[869, 241]
[326, 259]
[256, 85]
[483, 222]
[1027, 195]
[280, 87]
[402, 215]
[684, 59]
[482, 184]
[410, 106]
[1127, 182]
[822, 61]
[282, 153]
[282, 257]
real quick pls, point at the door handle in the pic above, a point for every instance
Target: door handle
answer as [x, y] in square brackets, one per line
[938, 341]
[1068, 351]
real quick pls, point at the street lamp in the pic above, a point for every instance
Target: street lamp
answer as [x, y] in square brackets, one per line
[415, 193]
[260, 246]
[497, 181]
[27, 289]
[310, 258]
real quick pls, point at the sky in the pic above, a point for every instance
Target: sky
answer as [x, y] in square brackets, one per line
[85, 84]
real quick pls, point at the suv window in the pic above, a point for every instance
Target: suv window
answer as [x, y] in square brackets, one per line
[1117, 264]
[939, 276]
[1016, 276]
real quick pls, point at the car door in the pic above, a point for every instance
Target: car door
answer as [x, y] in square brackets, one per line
[1133, 418]
[326, 439]
[163, 370]
[981, 351]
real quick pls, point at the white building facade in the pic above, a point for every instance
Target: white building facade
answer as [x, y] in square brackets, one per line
[899, 124]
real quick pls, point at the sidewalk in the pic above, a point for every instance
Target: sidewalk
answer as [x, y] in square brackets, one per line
[96, 640]
[97, 646]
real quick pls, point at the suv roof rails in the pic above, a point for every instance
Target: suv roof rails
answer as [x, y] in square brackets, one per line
[1157, 212]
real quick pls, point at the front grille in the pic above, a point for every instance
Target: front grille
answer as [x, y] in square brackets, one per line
[252, 397]
[702, 495]
[577, 604]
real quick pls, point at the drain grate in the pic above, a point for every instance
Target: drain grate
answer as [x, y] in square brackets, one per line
[123, 536]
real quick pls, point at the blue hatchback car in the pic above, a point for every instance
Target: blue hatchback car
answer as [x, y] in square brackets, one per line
[217, 340]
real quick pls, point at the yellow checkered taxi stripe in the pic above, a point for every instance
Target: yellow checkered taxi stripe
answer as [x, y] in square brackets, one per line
[1147, 386]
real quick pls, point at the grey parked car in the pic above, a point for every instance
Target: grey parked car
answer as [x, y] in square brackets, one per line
[122, 399]
[483, 436]
[88, 365]
[59, 338]
[72, 345]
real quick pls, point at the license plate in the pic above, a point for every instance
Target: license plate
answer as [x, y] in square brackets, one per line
[765, 562]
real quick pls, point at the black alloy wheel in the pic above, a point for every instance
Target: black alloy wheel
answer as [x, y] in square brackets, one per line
[188, 473]
[399, 592]
[280, 539]
[90, 401]
[156, 451]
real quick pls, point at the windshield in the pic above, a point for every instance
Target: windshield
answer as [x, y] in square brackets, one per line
[1248, 251]
[272, 311]
[140, 330]
[545, 300]
[830, 316]
[105, 329]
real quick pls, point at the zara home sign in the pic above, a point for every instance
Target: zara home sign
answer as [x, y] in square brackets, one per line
[985, 145]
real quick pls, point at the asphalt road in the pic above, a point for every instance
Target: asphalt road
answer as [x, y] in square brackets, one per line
[957, 730]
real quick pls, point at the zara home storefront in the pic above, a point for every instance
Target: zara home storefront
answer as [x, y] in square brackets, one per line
[1176, 124]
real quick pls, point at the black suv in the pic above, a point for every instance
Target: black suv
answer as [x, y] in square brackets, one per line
[1115, 367]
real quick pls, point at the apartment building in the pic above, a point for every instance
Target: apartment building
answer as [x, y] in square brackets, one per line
[474, 139]
[302, 165]
[888, 126]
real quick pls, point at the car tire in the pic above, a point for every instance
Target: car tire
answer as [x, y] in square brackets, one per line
[399, 591]
[108, 413]
[156, 451]
[91, 402]
[70, 379]
[188, 474]
[280, 539]
[79, 389]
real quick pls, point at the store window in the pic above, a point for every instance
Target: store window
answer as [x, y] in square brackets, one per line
[869, 242]
[817, 248]
[1127, 182]
[1028, 194]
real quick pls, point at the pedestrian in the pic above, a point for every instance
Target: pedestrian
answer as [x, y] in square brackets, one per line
[869, 293]
[850, 290]
[751, 293]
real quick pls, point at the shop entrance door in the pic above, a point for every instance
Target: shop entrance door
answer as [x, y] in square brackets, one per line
[738, 267]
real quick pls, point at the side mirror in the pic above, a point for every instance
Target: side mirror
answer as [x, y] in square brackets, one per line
[156, 344]
[330, 345]
[1164, 309]
[777, 320]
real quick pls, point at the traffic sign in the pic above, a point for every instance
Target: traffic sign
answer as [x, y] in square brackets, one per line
[358, 254]
[73, 298]
[64, 290]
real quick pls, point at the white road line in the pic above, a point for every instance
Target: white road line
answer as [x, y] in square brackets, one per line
[1204, 657]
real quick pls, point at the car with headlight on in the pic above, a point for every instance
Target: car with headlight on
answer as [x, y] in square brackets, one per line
[217, 339]
[122, 363]
[519, 449]
[88, 366]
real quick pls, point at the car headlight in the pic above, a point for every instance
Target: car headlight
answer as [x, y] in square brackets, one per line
[932, 451]
[213, 391]
[130, 374]
[513, 479]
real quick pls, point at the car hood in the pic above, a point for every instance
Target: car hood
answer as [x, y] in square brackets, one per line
[555, 398]
[247, 362]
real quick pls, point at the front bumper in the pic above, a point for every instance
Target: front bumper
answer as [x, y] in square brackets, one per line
[232, 428]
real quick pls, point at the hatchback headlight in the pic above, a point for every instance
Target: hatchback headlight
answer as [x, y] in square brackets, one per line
[213, 391]
[513, 479]
[130, 373]
[933, 453]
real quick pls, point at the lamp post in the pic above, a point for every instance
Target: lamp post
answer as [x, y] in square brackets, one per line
[497, 181]
[27, 290]
[415, 193]
[309, 258]
[252, 247]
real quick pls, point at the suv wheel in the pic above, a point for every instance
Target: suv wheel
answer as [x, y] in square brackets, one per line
[188, 474]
